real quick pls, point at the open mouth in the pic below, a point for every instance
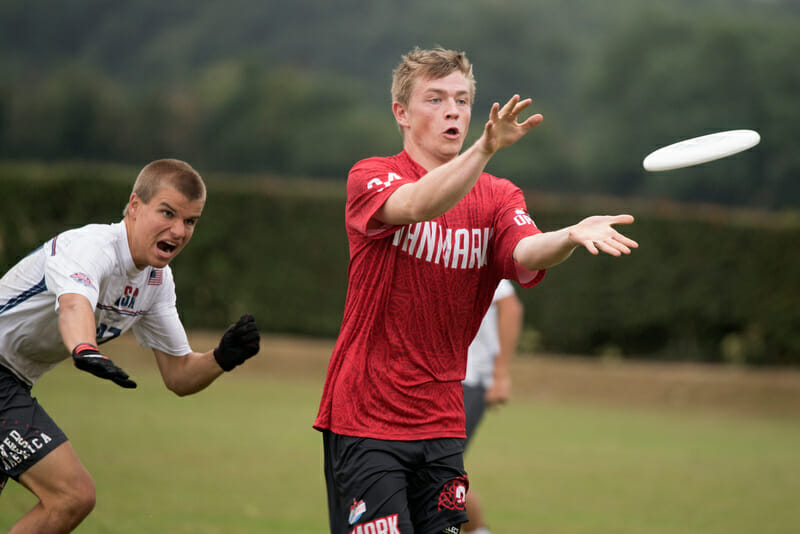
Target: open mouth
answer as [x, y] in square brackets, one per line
[451, 132]
[166, 246]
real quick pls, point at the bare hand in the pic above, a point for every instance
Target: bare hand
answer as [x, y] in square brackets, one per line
[596, 234]
[503, 129]
[499, 392]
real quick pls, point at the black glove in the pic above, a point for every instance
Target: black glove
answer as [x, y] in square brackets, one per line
[88, 358]
[238, 343]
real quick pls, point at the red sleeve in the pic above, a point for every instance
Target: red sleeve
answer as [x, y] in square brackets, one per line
[514, 223]
[369, 184]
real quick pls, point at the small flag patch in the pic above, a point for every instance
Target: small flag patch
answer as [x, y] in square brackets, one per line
[82, 278]
[156, 277]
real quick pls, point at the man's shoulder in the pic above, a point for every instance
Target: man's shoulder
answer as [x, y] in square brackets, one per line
[90, 241]
[491, 180]
[97, 233]
[500, 189]
[394, 161]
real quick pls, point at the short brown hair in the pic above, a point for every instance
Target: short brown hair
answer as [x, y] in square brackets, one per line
[434, 64]
[168, 173]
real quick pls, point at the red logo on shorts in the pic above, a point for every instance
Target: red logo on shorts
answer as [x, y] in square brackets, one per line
[454, 494]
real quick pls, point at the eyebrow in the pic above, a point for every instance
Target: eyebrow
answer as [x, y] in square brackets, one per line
[444, 91]
[173, 210]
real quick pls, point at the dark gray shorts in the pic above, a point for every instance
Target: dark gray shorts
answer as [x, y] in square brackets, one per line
[474, 407]
[27, 433]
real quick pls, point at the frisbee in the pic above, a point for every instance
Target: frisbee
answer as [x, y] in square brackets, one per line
[701, 150]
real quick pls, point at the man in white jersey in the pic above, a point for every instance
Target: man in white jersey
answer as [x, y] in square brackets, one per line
[83, 288]
[488, 379]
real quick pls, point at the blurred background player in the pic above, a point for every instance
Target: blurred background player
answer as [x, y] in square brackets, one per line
[488, 380]
[83, 288]
[430, 236]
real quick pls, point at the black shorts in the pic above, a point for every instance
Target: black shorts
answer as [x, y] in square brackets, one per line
[474, 407]
[27, 433]
[394, 487]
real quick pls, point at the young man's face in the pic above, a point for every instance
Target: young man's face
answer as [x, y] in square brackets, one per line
[158, 230]
[436, 120]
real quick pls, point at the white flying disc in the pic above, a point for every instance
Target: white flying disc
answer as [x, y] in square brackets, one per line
[701, 150]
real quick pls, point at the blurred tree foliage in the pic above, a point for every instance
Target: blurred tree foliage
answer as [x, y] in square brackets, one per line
[302, 88]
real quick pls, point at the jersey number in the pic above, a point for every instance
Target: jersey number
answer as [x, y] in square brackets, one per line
[113, 332]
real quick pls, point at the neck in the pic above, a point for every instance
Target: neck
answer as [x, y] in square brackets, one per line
[424, 158]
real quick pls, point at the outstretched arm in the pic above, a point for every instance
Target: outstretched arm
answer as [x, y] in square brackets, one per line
[443, 187]
[78, 332]
[595, 233]
[187, 374]
[76, 320]
[193, 372]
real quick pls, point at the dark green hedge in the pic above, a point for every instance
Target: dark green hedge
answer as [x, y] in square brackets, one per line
[720, 288]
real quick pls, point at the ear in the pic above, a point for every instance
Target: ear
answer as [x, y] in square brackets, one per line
[133, 205]
[400, 114]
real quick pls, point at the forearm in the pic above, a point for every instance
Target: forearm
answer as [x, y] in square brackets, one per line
[595, 233]
[509, 328]
[436, 192]
[76, 322]
[185, 375]
[193, 372]
[544, 250]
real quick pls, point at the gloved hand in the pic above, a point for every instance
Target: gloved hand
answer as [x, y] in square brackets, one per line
[238, 343]
[88, 358]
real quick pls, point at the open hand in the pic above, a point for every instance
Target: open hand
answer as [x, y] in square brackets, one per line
[597, 234]
[503, 129]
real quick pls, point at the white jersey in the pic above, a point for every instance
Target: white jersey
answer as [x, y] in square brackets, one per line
[94, 261]
[484, 348]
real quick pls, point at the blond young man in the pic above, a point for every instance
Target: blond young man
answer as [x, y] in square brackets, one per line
[81, 289]
[430, 237]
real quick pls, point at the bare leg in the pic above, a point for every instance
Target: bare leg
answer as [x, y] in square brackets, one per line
[65, 490]
[474, 512]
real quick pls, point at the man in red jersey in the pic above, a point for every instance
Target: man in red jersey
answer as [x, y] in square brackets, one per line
[430, 237]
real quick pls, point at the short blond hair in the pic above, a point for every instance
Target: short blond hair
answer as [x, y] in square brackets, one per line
[429, 64]
[168, 173]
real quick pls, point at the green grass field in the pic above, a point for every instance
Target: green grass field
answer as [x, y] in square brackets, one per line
[242, 457]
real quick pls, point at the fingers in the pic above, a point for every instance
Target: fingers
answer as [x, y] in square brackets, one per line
[494, 113]
[621, 219]
[102, 367]
[124, 381]
[245, 322]
[508, 109]
[615, 244]
[627, 241]
[612, 247]
[532, 121]
[511, 110]
[597, 234]
[247, 329]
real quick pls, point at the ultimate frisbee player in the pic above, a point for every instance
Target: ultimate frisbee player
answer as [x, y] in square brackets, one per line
[487, 382]
[430, 235]
[83, 288]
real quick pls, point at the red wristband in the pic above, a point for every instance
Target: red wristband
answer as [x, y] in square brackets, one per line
[80, 347]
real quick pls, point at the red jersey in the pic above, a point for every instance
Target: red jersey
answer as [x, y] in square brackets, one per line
[415, 299]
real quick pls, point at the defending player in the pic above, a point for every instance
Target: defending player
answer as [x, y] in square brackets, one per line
[83, 288]
[430, 237]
